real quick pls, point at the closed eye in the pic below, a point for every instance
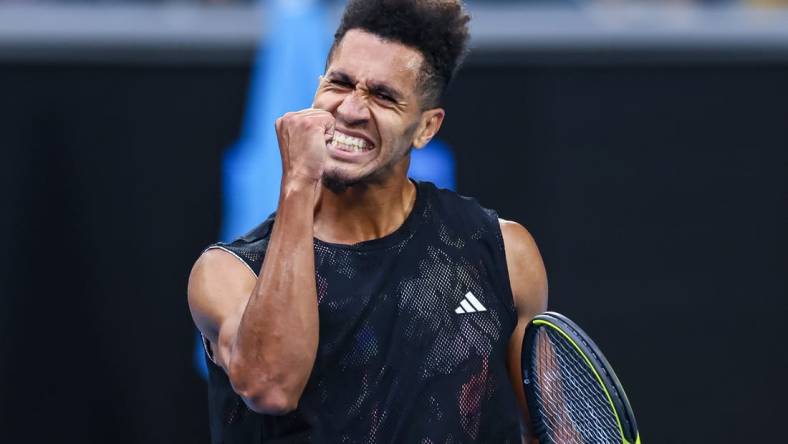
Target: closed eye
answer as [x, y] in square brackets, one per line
[341, 83]
[385, 97]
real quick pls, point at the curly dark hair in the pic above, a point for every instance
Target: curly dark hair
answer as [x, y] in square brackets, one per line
[436, 28]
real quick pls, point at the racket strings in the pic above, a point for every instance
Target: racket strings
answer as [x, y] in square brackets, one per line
[574, 407]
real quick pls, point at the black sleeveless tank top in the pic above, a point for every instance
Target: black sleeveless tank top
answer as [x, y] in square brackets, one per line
[414, 329]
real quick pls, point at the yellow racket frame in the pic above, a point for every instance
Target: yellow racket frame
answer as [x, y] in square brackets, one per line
[596, 374]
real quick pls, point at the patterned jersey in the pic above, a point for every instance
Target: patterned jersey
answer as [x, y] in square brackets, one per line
[414, 329]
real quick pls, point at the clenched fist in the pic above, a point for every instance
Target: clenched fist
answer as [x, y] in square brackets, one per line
[303, 136]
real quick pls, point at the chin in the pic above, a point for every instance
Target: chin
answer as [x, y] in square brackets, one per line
[335, 184]
[339, 181]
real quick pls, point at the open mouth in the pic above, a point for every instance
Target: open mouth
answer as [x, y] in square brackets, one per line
[349, 144]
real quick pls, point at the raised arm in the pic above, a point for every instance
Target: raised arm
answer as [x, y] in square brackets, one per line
[264, 331]
[529, 288]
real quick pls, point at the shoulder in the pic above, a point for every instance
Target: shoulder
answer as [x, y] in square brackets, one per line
[217, 283]
[223, 272]
[250, 248]
[517, 239]
[527, 273]
[448, 197]
[217, 263]
[458, 209]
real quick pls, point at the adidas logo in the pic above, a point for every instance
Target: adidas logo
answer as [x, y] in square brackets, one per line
[469, 304]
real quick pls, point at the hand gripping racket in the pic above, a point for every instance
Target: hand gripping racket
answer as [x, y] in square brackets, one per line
[574, 396]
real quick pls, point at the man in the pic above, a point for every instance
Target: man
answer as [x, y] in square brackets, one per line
[370, 308]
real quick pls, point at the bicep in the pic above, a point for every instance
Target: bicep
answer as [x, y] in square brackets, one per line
[219, 288]
[527, 274]
[528, 280]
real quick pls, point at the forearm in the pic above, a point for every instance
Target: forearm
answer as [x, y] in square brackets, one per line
[276, 342]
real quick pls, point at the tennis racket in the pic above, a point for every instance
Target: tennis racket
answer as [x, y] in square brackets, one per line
[574, 397]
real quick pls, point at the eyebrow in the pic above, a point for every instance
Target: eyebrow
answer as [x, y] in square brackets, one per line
[372, 86]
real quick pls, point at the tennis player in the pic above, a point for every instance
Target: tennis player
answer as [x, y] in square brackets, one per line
[371, 307]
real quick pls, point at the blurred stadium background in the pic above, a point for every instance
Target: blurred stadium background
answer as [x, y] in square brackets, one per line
[643, 143]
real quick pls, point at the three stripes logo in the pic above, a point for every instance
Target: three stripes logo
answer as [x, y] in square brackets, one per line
[469, 304]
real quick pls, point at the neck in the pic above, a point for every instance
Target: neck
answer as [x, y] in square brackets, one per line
[364, 212]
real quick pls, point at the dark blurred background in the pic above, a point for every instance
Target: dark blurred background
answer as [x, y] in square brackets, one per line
[644, 145]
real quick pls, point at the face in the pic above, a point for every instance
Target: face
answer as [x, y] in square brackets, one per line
[371, 87]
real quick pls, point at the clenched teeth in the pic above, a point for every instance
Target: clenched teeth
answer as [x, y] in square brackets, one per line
[348, 143]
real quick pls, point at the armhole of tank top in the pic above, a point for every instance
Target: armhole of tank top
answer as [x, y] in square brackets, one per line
[205, 342]
[507, 283]
[206, 345]
[234, 254]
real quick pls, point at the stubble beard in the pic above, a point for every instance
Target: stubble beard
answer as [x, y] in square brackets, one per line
[338, 183]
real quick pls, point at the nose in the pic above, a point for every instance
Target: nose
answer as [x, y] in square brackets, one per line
[353, 109]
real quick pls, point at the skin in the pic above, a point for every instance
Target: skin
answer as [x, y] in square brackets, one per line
[370, 90]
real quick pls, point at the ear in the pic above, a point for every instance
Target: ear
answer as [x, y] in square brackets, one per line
[431, 121]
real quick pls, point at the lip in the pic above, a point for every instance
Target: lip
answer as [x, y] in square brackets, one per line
[357, 135]
[350, 156]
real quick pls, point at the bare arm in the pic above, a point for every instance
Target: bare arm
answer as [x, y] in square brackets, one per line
[267, 328]
[529, 287]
